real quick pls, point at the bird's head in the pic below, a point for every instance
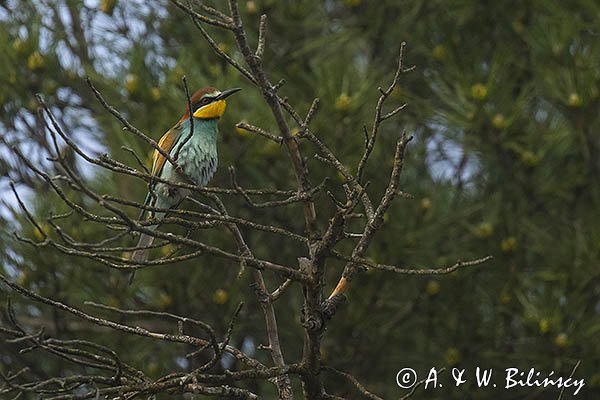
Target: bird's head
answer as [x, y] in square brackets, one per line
[209, 103]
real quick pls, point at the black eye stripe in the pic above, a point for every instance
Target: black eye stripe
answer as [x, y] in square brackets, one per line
[202, 102]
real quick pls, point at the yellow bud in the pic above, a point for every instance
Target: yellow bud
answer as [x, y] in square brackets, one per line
[35, 61]
[594, 380]
[155, 94]
[113, 301]
[452, 356]
[132, 83]
[178, 73]
[343, 102]
[214, 70]
[396, 93]
[426, 203]
[561, 340]
[32, 104]
[518, 26]
[352, 3]
[164, 300]
[152, 368]
[50, 86]
[529, 158]
[271, 148]
[509, 244]
[505, 298]
[479, 91]
[484, 230]
[220, 296]
[324, 353]
[22, 279]
[294, 131]
[341, 177]
[574, 100]
[499, 122]
[167, 249]
[386, 218]
[38, 235]
[439, 52]
[544, 325]
[432, 288]
[251, 7]
[108, 6]
[557, 48]
[224, 47]
[19, 46]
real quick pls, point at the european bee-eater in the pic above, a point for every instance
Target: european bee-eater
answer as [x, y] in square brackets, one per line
[197, 157]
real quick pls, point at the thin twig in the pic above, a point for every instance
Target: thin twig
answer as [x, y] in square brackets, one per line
[262, 32]
[354, 382]
[372, 138]
[137, 158]
[191, 119]
[260, 131]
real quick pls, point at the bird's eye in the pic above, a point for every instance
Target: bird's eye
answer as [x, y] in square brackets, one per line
[202, 102]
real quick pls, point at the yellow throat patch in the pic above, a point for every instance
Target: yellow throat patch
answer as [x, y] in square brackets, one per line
[212, 110]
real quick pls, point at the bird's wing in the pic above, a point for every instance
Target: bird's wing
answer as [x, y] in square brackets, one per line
[167, 143]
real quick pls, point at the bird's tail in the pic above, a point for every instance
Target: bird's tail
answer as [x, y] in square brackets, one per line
[141, 253]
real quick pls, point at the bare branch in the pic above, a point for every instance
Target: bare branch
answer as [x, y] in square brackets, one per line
[275, 203]
[137, 158]
[300, 169]
[280, 290]
[376, 221]
[260, 131]
[372, 138]
[283, 384]
[214, 45]
[354, 230]
[123, 120]
[354, 382]
[223, 22]
[262, 32]
[412, 270]
[191, 119]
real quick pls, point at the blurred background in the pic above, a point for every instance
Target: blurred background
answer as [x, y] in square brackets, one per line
[504, 107]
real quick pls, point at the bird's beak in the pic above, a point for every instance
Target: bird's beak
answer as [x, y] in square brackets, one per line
[226, 93]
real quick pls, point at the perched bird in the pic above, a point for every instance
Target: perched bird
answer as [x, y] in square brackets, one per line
[197, 157]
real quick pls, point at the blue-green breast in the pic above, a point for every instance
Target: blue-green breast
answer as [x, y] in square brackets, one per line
[198, 157]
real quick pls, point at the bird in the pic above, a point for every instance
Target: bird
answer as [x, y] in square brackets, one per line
[197, 159]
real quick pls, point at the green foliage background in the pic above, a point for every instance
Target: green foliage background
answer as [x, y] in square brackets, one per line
[504, 108]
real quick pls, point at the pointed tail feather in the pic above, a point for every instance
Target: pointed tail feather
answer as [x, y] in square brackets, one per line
[141, 254]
